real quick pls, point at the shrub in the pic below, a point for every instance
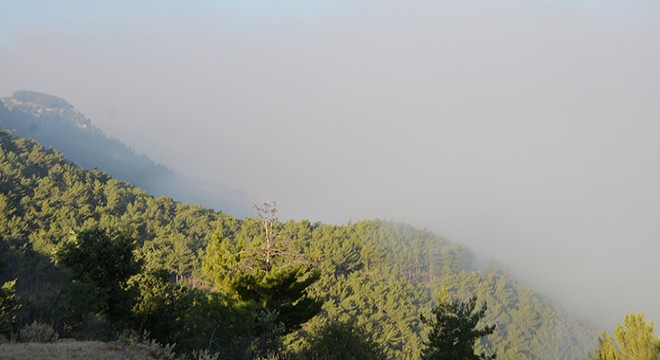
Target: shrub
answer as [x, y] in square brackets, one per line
[204, 355]
[38, 332]
[342, 340]
[158, 350]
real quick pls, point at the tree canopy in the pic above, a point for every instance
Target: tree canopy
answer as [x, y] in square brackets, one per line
[634, 339]
[267, 271]
[455, 330]
[106, 262]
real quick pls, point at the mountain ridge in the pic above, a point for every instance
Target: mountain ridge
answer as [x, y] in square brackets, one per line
[54, 122]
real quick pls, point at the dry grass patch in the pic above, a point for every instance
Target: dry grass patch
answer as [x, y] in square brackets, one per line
[77, 350]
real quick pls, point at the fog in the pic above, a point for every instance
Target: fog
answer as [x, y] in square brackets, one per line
[528, 131]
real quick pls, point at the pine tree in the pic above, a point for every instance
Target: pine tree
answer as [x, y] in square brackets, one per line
[635, 340]
[105, 262]
[454, 330]
[606, 350]
[337, 340]
[268, 273]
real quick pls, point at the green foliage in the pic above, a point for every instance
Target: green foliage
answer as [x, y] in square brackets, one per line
[214, 322]
[281, 290]
[635, 340]
[266, 270]
[374, 274]
[268, 342]
[337, 340]
[8, 306]
[159, 306]
[606, 349]
[107, 262]
[38, 332]
[190, 318]
[454, 330]
[55, 123]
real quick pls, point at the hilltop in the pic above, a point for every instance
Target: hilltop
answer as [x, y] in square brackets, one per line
[53, 122]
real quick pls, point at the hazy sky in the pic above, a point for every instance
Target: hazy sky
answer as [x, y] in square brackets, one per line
[527, 130]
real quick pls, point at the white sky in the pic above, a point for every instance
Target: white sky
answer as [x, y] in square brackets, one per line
[528, 131]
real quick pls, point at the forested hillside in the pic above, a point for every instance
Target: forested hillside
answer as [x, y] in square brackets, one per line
[55, 123]
[377, 276]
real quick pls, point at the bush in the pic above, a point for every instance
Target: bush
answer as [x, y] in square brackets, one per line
[157, 350]
[342, 340]
[38, 332]
[204, 355]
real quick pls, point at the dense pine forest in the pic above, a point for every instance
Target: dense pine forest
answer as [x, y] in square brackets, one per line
[372, 279]
[329, 180]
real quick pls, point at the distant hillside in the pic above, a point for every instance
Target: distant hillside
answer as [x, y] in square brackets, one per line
[55, 123]
[380, 275]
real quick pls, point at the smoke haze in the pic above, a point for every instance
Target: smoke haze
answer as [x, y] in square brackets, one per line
[527, 131]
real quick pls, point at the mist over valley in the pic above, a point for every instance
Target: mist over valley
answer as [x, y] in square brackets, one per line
[524, 132]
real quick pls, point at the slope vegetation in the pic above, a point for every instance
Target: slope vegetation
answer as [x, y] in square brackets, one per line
[380, 275]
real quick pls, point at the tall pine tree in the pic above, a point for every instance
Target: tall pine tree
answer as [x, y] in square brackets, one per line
[454, 330]
[267, 273]
[635, 340]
